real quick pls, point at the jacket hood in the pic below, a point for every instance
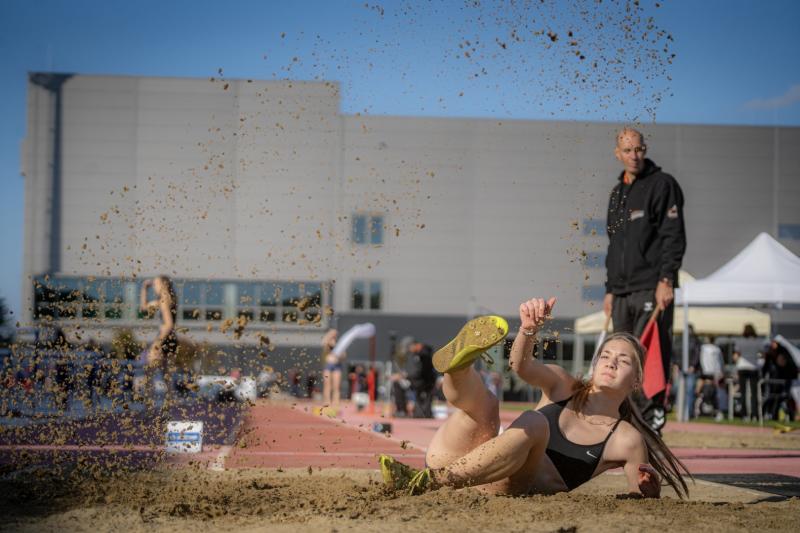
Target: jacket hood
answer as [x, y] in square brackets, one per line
[649, 168]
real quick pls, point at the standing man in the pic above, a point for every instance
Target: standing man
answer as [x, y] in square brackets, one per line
[422, 376]
[647, 240]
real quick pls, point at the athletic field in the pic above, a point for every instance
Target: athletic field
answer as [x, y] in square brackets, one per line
[285, 465]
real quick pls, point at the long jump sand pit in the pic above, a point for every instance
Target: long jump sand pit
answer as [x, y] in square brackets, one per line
[352, 499]
[328, 480]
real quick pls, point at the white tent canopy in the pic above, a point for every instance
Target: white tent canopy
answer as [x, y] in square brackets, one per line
[764, 273]
[706, 320]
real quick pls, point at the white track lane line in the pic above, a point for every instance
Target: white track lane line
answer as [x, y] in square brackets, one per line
[218, 464]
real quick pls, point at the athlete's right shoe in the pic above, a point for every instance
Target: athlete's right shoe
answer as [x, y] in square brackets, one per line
[477, 336]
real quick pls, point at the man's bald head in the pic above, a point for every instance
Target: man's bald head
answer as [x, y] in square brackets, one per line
[630, 132]
[631, 151]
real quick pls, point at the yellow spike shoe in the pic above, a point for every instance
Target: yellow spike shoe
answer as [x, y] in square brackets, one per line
[398, 476]
[477, 336]
[395, 474]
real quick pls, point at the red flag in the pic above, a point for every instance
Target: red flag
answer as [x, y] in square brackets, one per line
[653, 381]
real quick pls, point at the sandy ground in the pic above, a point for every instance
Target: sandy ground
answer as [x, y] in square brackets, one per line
[330, 500]
[190, 497]
[761, 441]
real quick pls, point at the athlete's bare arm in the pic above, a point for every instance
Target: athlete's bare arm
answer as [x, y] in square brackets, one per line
[167, 324]
[552, 379]
[144, 305]
[628, 446]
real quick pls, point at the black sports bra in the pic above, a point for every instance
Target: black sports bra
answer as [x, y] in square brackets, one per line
[575, 462]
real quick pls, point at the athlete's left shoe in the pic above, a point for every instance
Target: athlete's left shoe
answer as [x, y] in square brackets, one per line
[477, 336]
[399, 476]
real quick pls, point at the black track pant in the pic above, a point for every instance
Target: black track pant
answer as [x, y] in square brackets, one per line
[630, 313]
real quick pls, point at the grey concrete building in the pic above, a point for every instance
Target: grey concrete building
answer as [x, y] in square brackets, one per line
[254, 196]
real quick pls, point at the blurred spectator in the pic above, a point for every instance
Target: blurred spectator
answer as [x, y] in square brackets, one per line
[294, 377]
[422, 377]
[747, 351]
[692, 373]
[332, 369]
[56, 342]
[780, 369]
[93, 371]
[711, 385]
[312, 387]
[358, 379]
[400, 394]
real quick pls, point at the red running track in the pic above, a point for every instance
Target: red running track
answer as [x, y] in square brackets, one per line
[288, 435]
[276, 435]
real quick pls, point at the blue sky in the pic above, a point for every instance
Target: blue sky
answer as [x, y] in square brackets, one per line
[736, 61]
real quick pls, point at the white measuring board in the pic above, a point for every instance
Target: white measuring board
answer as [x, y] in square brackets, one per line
[184, 437]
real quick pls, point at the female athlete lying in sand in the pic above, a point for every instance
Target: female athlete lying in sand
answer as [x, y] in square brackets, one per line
[579, 430]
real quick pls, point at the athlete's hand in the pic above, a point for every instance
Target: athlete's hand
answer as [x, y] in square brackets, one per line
[649, 483]
[533, 313]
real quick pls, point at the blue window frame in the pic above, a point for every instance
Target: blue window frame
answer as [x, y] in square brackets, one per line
[593, 293]
[359, 229]
[376, 229]
[789, 231]
[594, 226]
[357, 296]
[190, 300]
[374, 294]
[366, 295]
[72, 297]
[367, 228]
[595, 260]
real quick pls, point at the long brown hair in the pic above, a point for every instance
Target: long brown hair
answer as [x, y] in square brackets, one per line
[659, 455]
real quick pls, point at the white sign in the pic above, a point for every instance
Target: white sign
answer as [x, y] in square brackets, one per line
[184, 437]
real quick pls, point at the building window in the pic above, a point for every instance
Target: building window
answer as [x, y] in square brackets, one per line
[246, 302]
[268, 300]
[189, 300]
[594, 260]
[594, 226]
[366, 295]
[310, 304]
[103, 298]
[359, 229]
[73, 298]
[789, 231]
[198, 301]
[593, 293]
[367, 229]
[214, 300]
[357, 300]
[376, 229]
[57, 297]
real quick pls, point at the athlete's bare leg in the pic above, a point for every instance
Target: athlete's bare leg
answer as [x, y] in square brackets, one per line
[326, 387]
[466, 450]
[508, 461]
[336, 388]
[475, 420]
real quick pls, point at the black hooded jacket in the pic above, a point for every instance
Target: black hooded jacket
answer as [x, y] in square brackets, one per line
[646, 233]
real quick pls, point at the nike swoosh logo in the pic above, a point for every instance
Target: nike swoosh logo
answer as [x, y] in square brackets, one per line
[590, 454]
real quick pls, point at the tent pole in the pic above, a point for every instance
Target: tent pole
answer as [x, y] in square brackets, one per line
[682, 407]
[577, 354]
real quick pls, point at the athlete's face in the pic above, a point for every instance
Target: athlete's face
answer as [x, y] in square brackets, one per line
[617, 366]
[631, 152]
